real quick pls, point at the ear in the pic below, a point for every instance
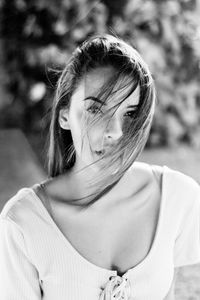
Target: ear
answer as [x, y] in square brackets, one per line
[64, 119]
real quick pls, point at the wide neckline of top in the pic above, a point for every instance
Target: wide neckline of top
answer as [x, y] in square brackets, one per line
[99, 268]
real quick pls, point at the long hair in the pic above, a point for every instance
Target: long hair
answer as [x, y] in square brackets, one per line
[131, 72]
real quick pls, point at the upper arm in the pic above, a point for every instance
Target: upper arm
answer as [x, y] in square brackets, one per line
[18, 276]
[171, 293]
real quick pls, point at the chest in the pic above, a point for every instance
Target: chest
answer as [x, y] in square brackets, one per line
[116, 241]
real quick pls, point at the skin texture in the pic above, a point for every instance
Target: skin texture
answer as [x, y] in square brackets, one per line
[120, 245]
[103, 134]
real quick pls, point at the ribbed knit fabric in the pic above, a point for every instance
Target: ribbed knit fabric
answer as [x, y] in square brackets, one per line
[38, 262]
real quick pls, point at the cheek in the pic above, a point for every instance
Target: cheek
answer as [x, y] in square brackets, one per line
[76, 127]
[95, 135]
[83, 136]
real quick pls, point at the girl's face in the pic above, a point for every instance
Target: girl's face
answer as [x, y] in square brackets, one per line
[97, 141]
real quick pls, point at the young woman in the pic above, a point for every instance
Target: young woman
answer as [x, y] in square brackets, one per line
[102, 226]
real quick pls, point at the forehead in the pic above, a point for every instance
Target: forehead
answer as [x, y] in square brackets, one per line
[93, 82]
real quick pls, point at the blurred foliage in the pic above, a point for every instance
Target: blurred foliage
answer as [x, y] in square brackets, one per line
[39, 36]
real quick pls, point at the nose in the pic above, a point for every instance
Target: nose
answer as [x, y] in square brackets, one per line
[113, 129]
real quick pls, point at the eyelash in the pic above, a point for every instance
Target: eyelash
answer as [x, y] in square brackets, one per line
[132, 114]
[95, 110]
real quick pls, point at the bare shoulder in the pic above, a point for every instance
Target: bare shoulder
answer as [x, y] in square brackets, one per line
[146, 167]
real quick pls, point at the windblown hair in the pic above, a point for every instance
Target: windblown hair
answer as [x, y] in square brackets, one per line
[131, 72]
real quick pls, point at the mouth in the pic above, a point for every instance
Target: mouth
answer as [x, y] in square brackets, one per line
[100, 152]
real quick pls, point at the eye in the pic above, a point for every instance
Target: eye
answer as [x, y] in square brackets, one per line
[94, 109]
[130, 114]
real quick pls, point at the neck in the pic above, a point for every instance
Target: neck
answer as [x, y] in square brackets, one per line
[76, 184]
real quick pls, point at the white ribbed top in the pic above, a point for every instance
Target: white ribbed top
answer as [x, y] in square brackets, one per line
[38, 262]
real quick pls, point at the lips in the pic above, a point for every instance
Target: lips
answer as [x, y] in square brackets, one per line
[104, 151]
[100, 152]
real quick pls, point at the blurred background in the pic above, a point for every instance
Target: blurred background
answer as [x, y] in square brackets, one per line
[37, 38]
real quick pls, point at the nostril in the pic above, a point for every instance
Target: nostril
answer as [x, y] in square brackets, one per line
[114, 135]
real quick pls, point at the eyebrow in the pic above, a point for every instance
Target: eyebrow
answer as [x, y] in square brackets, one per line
[94, 99]
[99, 101]
[133, 106]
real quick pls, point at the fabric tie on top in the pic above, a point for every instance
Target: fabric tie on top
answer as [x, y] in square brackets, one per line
[117, 288]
